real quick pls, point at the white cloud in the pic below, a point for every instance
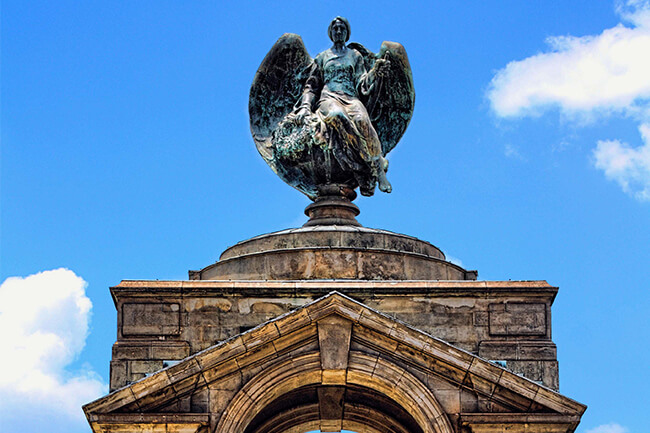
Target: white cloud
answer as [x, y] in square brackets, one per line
[581, 75]
[608, 428]
[43, 328]
[628, 166]
[587, 77]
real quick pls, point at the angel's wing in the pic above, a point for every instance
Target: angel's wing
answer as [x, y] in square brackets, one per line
[277, 85]
[391, 103]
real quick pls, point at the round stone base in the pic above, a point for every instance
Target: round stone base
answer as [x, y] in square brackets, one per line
[333, 252]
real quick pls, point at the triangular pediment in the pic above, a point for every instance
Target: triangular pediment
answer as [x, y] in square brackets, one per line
[343, 337]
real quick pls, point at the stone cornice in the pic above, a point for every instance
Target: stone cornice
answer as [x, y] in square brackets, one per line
[456, 288]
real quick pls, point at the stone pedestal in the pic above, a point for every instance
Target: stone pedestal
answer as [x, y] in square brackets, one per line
[334, 209]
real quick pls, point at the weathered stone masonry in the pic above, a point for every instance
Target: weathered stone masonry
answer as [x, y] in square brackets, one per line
[266, 340]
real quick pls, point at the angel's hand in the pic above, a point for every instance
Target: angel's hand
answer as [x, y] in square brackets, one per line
[382, 67]
[302, 113]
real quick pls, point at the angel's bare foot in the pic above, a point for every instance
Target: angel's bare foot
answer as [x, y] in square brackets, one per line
[384, 184]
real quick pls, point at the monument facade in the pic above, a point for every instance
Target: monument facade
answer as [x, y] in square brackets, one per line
[333, 325]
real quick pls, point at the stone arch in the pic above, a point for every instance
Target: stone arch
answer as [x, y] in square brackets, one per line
[305, 418]
[284, 398]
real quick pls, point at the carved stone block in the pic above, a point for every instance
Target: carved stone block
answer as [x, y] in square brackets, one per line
[118, 374]
[150, 319]
[517, 319]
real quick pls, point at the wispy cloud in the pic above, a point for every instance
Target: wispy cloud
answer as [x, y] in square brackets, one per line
[44, 324]
[454, 260]
[512, 151]
[627, 166]
[608, 428]
[586, 78]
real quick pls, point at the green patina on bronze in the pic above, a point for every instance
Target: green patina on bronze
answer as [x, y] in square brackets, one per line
[329, 122]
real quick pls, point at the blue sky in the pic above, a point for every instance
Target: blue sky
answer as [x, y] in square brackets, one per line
[126, 154]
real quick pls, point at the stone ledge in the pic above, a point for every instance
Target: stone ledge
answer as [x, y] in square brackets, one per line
[520, 423]
[153, 418]
[335, 282]
[147, 288]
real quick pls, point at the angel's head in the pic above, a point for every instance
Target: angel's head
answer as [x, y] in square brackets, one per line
[339, 30]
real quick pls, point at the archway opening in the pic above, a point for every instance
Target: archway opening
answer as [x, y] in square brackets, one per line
[296, 395]
[333, 408]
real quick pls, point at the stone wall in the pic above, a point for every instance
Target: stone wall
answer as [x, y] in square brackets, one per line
[160, 322]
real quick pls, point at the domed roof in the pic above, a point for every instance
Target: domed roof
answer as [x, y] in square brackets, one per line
[333, 252]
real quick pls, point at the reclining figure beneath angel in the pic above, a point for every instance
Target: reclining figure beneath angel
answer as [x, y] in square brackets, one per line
[329, 122]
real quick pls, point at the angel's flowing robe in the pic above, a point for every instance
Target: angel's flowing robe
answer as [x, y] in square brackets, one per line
[333, 93]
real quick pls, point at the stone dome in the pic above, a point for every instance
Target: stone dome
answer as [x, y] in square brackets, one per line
[333, 252]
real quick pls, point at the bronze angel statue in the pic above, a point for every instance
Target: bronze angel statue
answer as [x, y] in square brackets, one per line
[329, 122]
